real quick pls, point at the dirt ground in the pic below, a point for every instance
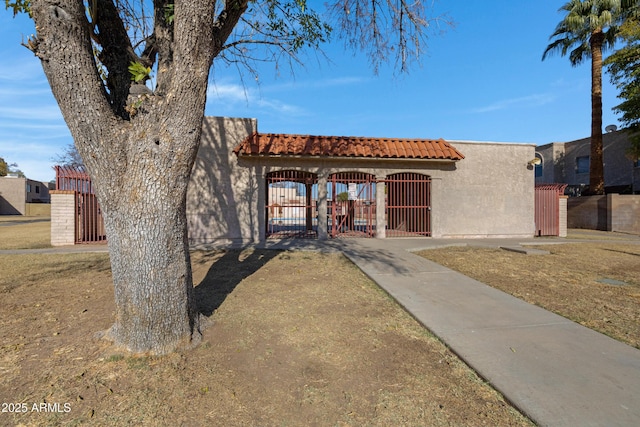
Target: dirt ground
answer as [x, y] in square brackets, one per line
[294, 339]
[595, 284]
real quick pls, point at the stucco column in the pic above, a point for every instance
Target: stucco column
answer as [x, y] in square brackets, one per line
[308, 188]
[259, 207]
[381, 225]
[563, 216]
[322, 206]
[437, 208]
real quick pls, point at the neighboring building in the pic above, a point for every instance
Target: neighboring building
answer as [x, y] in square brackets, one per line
[396, 187]
[16, 192]
[568, 163]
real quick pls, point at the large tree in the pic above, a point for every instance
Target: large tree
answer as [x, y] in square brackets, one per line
[7, 168]
[4, 167]
[588, 28]
[139, 142]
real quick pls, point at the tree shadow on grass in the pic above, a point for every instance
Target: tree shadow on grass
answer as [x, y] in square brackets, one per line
[226, 273]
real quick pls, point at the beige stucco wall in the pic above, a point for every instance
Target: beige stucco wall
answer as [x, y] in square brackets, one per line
[222, 204]
[12, 196]
[488, 194]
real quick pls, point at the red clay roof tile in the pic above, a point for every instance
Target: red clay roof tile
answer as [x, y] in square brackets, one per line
[272, 144]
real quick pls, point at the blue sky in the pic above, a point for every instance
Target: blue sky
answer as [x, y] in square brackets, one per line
[482, 80]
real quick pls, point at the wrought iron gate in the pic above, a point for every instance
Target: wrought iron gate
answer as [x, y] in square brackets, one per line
[90, 224]
[291, 209]
[408, 205]
[351, 205]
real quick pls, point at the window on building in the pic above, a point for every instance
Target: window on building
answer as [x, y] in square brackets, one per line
[28, 188]
[37, 188]
[582, 164]
[538, 167]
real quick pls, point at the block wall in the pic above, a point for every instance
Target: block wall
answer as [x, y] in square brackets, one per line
[63, 218]
[562, 232]
[624, 213]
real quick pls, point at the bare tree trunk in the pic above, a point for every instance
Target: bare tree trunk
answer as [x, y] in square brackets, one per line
[596, 165]
[147, 228]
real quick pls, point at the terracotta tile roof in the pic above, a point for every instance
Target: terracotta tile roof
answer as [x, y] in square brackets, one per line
[276, 144]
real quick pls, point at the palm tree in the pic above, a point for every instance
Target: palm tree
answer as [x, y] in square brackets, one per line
[589, 27]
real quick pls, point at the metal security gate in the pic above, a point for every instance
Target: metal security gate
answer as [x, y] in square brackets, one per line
[351, 204]
[291, 208]
[547, 209]
[408, 205]
[89, 224]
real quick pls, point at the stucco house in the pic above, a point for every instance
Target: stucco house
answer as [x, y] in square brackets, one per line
[568, 163]
[16, 193]
[247, 186]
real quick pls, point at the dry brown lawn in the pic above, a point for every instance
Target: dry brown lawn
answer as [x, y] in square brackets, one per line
[293, 339]
[20, 232]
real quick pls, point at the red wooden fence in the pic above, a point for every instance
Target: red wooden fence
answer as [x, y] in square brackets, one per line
[547, 208]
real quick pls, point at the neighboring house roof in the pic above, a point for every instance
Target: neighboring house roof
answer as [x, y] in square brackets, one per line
[276, 144]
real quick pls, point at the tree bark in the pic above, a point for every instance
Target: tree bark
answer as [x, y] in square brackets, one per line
[147, 235]
[596, 163]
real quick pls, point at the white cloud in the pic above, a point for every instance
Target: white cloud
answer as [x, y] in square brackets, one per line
[316, 84]
[28, 71]
[281, 107]
[35, 113]
[17, 92]
[340, 81]
[521, 102]
[231, 98]
[235, 96]
[229, 92]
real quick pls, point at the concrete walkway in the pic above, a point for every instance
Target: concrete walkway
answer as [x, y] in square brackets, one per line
[72, 249]
[555, 371]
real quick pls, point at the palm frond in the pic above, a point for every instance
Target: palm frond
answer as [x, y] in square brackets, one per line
[583, 19]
